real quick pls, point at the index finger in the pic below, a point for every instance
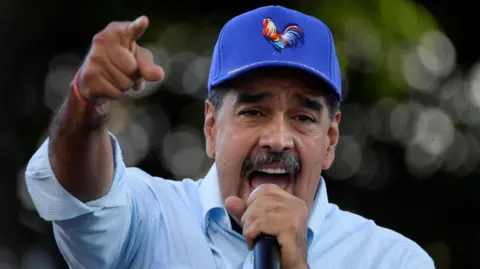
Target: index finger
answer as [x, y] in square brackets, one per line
[136, 28]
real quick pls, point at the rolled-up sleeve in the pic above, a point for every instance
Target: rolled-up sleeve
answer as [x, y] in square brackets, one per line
[89, 235]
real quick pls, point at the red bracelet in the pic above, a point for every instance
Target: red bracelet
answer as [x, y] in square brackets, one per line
[80, 96]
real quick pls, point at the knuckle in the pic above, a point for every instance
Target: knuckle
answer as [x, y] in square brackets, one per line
[271, 214]
[99, 38]
[276, 205]
[263, 226]
[126, 85]
[291, 229]
[89, 74]
[254, 215]
[131, 70]
[258, 208]
[95, 58]
[247, 218]
[270, 190]
[246, 233]
[102, 36]
[114, 26]
[251, 230]
[126, 62]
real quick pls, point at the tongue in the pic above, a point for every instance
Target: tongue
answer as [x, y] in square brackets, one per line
[281, 181]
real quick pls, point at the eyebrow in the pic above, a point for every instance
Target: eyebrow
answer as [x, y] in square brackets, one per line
[252, 98]
[309, 103]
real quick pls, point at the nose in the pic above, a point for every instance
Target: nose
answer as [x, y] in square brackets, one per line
[276, 136]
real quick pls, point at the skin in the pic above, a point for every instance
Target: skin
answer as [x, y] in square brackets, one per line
[274, 123]
[115, 63]
[277, 123]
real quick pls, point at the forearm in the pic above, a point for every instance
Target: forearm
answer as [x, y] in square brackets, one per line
[80, 151]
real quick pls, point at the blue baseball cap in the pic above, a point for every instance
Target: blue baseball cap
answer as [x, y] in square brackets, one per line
[275, 36]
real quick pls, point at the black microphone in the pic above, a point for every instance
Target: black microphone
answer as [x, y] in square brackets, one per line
[266, 250]
[266, 253]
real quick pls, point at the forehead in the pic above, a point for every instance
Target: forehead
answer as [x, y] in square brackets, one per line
[281, 78]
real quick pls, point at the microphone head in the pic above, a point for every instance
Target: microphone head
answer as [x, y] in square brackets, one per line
[257, 188]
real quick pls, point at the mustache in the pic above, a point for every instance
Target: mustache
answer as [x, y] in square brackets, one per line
[290, 160]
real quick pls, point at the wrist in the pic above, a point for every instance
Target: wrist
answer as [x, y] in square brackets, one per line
[81, 96]
[77, 117]
[303, 266]
[298, 265]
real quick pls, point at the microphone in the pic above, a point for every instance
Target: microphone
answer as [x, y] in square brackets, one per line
[266, 251]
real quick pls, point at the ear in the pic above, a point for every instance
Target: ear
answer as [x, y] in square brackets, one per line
[331, 141]
[210, 129]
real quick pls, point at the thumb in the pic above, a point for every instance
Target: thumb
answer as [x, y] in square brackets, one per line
[236, 207]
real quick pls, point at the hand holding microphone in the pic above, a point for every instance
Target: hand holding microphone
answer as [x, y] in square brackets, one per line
[272, 211]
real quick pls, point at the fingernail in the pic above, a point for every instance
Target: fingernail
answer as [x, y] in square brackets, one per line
[137, 21]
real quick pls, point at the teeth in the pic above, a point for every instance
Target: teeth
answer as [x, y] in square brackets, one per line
[273, 170]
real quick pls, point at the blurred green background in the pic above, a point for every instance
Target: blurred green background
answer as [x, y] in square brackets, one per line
[410, 148]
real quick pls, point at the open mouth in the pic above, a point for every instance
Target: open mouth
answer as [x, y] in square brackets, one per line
[271, 174]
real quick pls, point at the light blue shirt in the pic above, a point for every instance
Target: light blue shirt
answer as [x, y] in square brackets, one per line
[146, 222]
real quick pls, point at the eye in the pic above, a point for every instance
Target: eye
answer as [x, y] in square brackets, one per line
[304, 118]
[251, 113]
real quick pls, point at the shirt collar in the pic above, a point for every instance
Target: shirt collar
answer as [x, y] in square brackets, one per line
[213, 206]
[210, 196]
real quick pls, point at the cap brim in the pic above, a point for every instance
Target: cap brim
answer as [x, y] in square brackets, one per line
[250, 67]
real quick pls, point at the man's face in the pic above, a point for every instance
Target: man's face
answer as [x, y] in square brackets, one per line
[271, 128]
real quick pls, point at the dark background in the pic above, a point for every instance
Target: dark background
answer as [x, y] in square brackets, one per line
[411, 146]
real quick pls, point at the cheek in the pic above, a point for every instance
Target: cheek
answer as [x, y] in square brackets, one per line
[232, 147]
[233, 141]
[312, 153]
[312, 148]
[312, 158]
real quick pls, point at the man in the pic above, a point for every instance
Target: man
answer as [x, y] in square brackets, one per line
[271, 124]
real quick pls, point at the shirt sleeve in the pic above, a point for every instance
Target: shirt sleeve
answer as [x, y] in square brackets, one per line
[421, 261]
[96, 234]
[415, 257]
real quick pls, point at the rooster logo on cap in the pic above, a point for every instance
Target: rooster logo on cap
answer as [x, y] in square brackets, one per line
[292, 36]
